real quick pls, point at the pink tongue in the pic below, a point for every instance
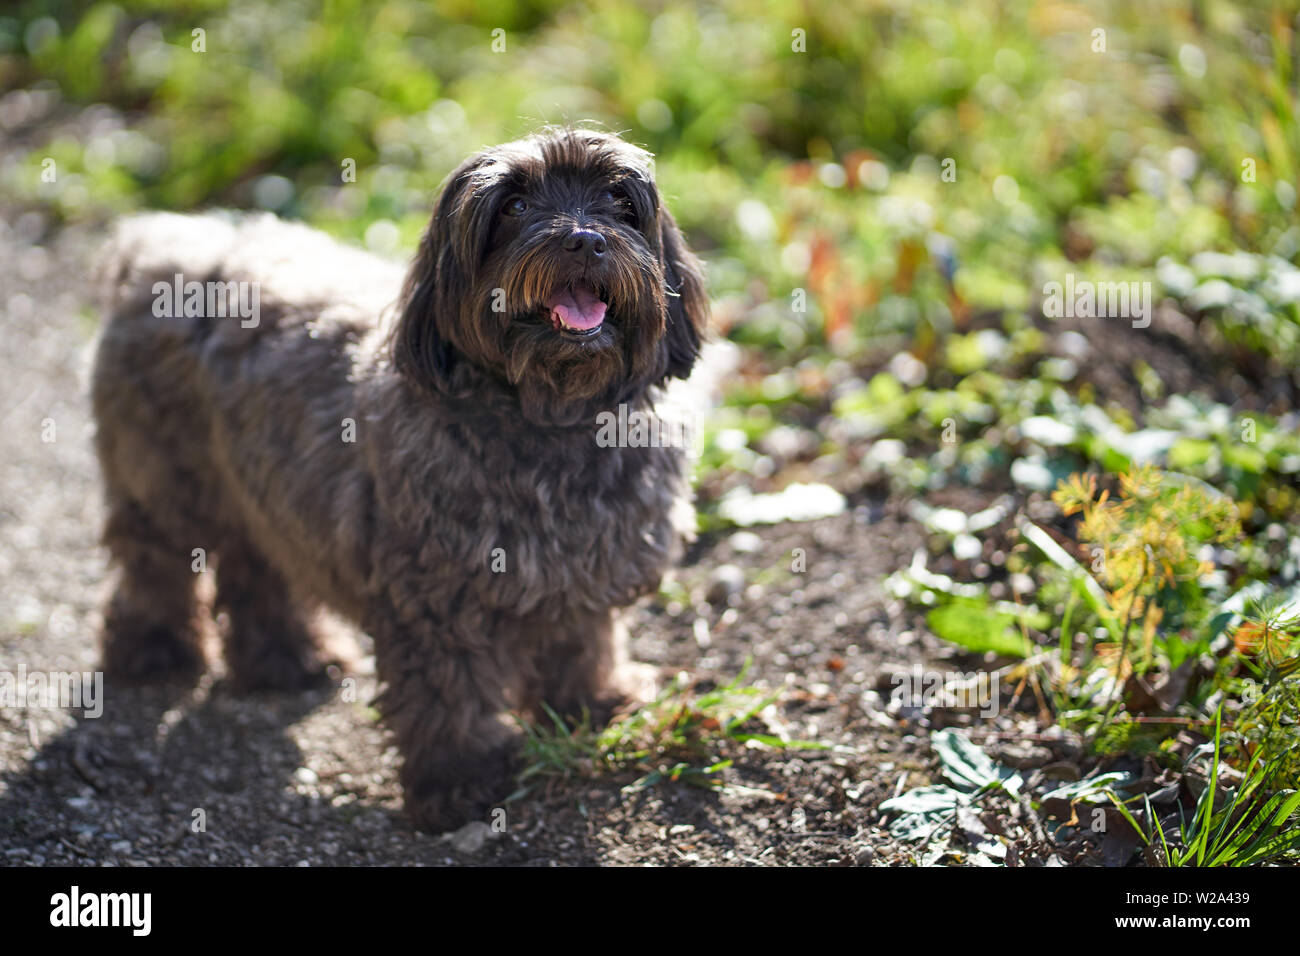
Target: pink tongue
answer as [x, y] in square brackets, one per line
[578, 308]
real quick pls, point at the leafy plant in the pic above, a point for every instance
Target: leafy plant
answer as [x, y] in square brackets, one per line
[1252, 826]
[1268, 645]
[1150, 537]
[933, 813]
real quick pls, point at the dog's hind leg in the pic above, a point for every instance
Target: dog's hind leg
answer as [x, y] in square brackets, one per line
[268, 638]
[151, 622]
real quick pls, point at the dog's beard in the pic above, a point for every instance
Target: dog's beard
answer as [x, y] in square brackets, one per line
[571, 340]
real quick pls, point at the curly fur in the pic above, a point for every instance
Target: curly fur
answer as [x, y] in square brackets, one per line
[474, 428]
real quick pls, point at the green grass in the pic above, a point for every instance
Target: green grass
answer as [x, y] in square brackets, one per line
[1251, 825]
[680, 737]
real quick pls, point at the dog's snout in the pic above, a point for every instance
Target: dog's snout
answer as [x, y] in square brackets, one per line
[585, 242]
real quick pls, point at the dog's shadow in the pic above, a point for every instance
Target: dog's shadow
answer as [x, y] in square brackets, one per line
[199, 776]
[184, 775]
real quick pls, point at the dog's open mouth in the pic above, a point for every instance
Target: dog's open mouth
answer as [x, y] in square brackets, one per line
[577, 310]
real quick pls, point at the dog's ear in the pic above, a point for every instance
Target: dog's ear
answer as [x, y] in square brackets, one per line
[688, 305]
[438, 283]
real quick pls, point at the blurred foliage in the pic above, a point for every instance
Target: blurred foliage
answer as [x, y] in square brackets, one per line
[1150, 536]
[820, 170]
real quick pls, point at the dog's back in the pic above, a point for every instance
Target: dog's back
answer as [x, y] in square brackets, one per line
[222, 392]
[294, 266]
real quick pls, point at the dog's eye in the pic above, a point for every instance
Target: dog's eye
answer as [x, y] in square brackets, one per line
[618, 198]
[515, 207]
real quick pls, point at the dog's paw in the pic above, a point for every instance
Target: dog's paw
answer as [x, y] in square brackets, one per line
[631, 687]
[280, 668]
[151, 655]
[460, 790]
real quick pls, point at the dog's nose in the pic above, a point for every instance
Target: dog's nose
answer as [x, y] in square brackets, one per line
[586, 242]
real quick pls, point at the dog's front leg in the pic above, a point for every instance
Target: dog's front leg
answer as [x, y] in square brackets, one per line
[444, 701]
[583, 669]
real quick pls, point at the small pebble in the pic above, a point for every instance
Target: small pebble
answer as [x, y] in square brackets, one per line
[726, 580]
[471, 837]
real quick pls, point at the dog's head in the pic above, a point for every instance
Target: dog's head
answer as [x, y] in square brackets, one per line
[552, 265]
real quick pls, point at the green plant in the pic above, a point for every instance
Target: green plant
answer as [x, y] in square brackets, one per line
[677, 737]
[1268, 647]
[1149, 538]
[1253, 825]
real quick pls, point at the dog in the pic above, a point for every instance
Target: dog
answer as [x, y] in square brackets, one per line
[418, 456]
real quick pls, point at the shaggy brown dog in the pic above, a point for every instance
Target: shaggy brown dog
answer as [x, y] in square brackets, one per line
[433, 474]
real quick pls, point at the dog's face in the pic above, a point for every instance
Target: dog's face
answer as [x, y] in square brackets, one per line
[551, 264]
